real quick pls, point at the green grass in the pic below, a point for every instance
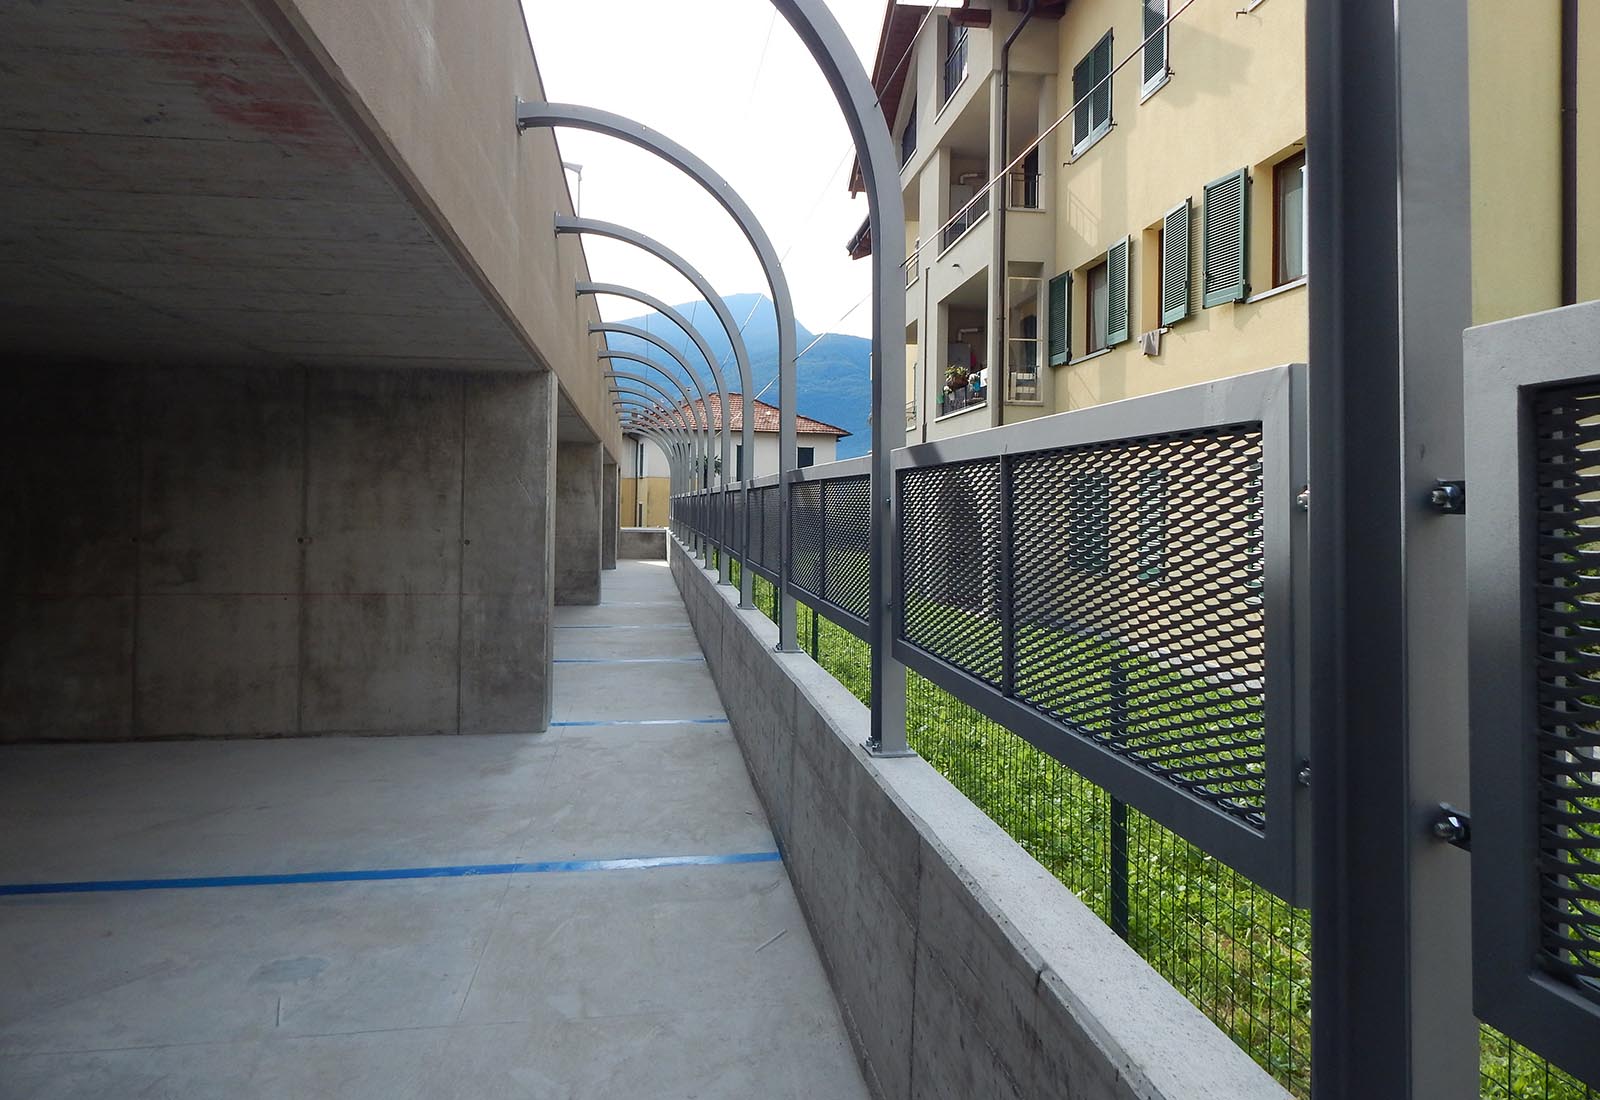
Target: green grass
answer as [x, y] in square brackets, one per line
[1237, 952]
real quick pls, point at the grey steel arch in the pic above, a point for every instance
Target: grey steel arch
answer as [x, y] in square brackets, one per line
[700, 429]
[662, 440]
[830, 48]
[661, 429]
[650, 338]
[625, 129]
[689, 330]
[741, 354]
[724, 565]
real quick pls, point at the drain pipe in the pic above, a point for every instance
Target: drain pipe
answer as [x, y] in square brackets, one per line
[1000, 269]
[1569, 152]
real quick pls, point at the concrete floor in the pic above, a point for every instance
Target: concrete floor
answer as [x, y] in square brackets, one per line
[522, 981]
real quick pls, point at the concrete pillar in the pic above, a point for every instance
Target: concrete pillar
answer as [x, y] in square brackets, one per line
[579, 497]
[609, 521]
[508, 560]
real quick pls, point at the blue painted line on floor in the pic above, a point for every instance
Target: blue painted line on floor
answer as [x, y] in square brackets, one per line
[474, 870]
[622, 626]
[644, 722]
[630, 660]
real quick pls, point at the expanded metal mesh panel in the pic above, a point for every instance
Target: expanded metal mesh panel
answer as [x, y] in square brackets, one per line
[1138, 618]
[770, 534]
[950, 550]
[831, 559]
[736, 535]
[1566, 667]
[809, 540]
[847, 518]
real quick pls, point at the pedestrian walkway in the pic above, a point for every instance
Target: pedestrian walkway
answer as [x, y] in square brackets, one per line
[596, 911]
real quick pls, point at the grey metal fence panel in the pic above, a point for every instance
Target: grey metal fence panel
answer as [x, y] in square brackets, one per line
[1118, 586]
[830, 564]
[1533, 573]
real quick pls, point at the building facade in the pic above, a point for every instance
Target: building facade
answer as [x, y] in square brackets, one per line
[1148, 227]
[1153, 239]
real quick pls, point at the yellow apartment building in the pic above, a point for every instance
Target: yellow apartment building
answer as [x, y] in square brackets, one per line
[1153, 233]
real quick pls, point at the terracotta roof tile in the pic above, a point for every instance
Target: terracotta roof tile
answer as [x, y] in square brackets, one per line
[766, 417]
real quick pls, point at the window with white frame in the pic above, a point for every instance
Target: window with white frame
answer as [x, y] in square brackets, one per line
[1155, 44]
[1091, 96]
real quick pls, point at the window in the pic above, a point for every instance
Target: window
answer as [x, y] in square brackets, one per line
[1106, 300]
[1155, 44]
[908, 136]
[738, 462]
[1289, 227]
[1225, 240]
[1091, 96]
[1096, 299]
[808, 457]
[955, 59]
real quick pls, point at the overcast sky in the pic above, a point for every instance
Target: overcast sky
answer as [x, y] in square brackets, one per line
[732, 82]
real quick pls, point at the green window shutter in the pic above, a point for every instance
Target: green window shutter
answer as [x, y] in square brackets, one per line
[1082, 81]
[1060, 319]
[1225, 240]
[1102, 70]
[1175, 264]
[1117, 325]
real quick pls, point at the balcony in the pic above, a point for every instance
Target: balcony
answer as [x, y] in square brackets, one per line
[962, 398]
[965, 218]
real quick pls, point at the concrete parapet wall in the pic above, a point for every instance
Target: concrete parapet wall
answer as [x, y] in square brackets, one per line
[228, 552]
[963, 967]
[643, 542]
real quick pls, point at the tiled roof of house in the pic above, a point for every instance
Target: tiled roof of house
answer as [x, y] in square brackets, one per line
[766, 417]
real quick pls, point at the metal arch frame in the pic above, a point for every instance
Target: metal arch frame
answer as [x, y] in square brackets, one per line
[675, 421]
[705, 407]
[741, 354]
[701, 418]
[662, 433]
[700, 429]
[724, 564]
[594, 120]
[830, 48]
[660, 441]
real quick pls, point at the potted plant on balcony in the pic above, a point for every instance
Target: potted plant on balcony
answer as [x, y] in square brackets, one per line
[955, 376]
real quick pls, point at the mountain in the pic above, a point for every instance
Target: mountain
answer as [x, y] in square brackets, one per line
[832, 379]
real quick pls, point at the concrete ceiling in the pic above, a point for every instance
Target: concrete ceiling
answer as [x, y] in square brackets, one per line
[173, 189]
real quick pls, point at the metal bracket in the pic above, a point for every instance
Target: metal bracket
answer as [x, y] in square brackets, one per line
[875, 748]
[1453, 826]
[1449, 497]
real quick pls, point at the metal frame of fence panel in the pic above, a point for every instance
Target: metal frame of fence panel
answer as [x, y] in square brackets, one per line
[1533, 416]
[1051, 570]
[830, 509]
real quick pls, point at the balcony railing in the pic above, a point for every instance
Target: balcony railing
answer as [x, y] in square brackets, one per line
[967, 217]
[955, 64]
[1023, 190]
[962, 397]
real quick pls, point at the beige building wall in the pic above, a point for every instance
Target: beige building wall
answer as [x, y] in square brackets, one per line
[1235, 99]
[1515, 104]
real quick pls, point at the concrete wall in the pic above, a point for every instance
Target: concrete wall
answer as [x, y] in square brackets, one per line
[580, 496]
[263, 552]
[431, 89]
[647, 543]
[963, 967]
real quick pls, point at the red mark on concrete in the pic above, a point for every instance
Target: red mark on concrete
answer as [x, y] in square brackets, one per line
[243, 78]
